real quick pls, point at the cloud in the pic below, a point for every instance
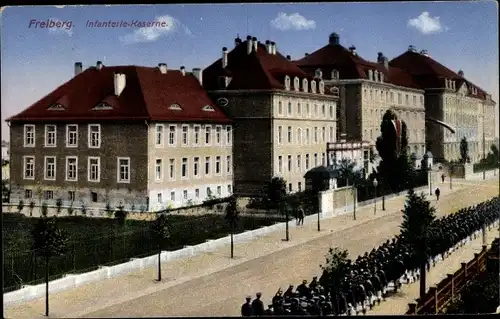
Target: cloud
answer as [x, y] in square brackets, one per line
[293, 21]
[151, 34]
[427, 24]
[67, 27]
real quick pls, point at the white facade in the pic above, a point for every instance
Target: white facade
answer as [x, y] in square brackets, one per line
[357, 152]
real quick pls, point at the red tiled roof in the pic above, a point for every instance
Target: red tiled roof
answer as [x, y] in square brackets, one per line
[147, 96]
[350, 66]
[255, 71]
[431, 74]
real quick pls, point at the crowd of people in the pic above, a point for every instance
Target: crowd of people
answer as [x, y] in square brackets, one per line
[369, 279]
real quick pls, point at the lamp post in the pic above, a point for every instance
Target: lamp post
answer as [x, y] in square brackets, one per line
[355, 198]
[451, 174]
[375, 184]
[383, 195]
[429, 170]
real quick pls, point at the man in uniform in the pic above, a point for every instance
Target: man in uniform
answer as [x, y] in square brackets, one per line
[437, 192]
[258, 306]
[300, 216]
[246, 308]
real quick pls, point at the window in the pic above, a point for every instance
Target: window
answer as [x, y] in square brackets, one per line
[72, 168]
[229, 165]
[28, 193]
[280, 164]
[217, 165]
[171, 168]
[308, 110]
[308, 140]
[219, 190]
[315, 159]
[123, 170]
[299, 136]
[289, 111]
[208, 133]
[171, 135]
[315, 135]
[400, 98]
[289, 135]
[323, 134]
[159, 198]
[159, 169]
[392, 97]
[421, 101]
[331, 111]
[72, 135]
[307, 161]
[280, 108]
[50, 135]
[316, 110]
[280, 132]
[218, 133]
[93, 195]
[229, 189]
[407, 99]
[323, 159]
[289, 163]
[196, 135]
[184, 168]
[48, 195]
[196, 167]
[172, 196]
[299, 109]
[207, 165]
[94, 136]
[185, 135]
[414, 100]
[299, 161]
[29, 135]
[330, 137]
[299, 186]
[29, 167]
[229, 135]
[50, 168]
[71, 196]
[290, 187]
[185, 194]
[197, 193]
[159, 135]
[323, 110]
[94, 169]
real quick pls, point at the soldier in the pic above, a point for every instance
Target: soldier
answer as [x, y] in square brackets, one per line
[437, 192]
[258, 306]
[301, 215]
[442, 178]
[302, 289]
[289, 292]
[246, 308]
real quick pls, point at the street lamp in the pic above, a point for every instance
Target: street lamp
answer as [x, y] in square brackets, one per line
[429, 170]
[375, 184]
[451, 174]
[355, 198]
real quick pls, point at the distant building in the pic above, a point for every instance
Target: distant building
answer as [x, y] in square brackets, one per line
[451, 98]
[367, 90]
[141, 136]
[5, 151]
[283, 117]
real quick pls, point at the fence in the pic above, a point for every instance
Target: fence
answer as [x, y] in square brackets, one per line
[439, 296]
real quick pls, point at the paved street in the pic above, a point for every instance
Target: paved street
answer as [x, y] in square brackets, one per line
[211, 284]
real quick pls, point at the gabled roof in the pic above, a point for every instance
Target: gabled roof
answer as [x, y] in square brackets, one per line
[431, 74]
[351, 66]
[147, 95]
[255, 71]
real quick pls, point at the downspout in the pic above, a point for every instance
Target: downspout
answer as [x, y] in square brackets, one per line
[147, 186]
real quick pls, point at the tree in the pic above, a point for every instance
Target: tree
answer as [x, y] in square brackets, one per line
[5, 191]
[121, 214]
[109, 210]
[418, 216]
[20, 206]
[232, 217]
[274, 191]
[348, 174]
[494, 151]
[48, 241]
[59, 205]
[161, 233]
[32, 206]
[336, 268]
[44, 209]
[464, 151]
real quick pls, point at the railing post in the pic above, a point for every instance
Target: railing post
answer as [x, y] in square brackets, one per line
[478, 265]
[412, 308]
[434, 293]
[464, 267]
[451, 278]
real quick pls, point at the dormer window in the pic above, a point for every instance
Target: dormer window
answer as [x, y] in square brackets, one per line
[175, 107]
[370, 75]
[335, 75]
[335, 91]
[296, 84]
[375, 76]
[56, 107]
[318, 74]
[102, 107]
[287, 83]
[208, 108]
[304, 85]
[321, 87]
[313, 86]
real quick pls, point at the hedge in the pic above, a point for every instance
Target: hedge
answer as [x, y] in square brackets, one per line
[95, 241]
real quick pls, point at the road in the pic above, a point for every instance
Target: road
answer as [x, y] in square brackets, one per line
[213, 285]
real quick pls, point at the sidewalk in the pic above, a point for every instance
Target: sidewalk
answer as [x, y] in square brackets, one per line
[115, 292]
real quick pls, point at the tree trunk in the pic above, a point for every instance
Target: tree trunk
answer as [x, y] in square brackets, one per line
[232, 243]
[159, 263]
[423, 278]
[287, 236]
[47, 286]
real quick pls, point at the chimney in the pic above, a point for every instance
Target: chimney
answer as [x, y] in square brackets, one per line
[198, 74]
[268, 46]
[306, 54]
[273, 47]
[78, 68]
[249, 44]
[424, 53]
[98, 65]
[381, 59]
[411, 48]
[183, 70]
[163, 68]
[224, 57]
[237, 41]
[333, 39]
[289, 58]
[352, 49]
[460, 73]
[119, 83]
[254, 43]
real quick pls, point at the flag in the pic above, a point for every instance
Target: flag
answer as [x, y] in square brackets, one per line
[397, 130]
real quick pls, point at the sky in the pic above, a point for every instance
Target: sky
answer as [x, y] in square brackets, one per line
[36, 59]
